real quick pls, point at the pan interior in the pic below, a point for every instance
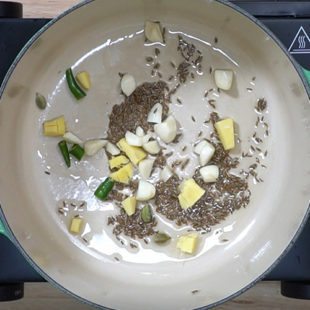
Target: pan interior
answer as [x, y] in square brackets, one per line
[105, 38]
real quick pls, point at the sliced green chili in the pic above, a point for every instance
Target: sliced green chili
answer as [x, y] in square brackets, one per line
[65, 152]
[104, 188]
[146, 214]
[77, 151]
[73, 85]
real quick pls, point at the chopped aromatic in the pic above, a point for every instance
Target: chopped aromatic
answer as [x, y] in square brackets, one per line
[123, 175]
[77, 151]
[104, 188]
[73, 85]
[129, 205]
[84, 79]
[94, 146]
[76, 225]
[71, 138]
[55, 127]
[65, 152]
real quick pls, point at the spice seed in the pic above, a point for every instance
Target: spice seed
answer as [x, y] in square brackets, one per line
[40, 101]
[157, 51]
[161, 238]
[186, 162]
[146, 214]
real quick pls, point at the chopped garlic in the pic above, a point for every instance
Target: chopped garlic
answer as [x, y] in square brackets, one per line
[133, 139]
[112, 149]
[153, 32]
[71, 138]
[198, 148]
[166, 174]
[128, 84]
[155, 114]
[167, 130]
[209, 173]
[146, 138]
[223, 79]
[152, 147]
[139, 131]
[145, 168]
[206, 154]
[94, 146]
[146, 191]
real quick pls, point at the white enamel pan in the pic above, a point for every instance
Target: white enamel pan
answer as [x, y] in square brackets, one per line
[105, 38]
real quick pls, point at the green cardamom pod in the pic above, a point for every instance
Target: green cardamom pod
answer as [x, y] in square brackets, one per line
[40, 101]
[161, 237]
[146, 214]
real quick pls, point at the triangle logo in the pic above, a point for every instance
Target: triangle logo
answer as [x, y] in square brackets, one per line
[300, 43]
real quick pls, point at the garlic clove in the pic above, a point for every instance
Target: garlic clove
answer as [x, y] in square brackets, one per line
[145, 168]
[166, 174]
[128, 84]
[155, 114]
[146, 138]
[140, 131]
[112, 149]
[223, 79]
[152, 147]
[206, 154]
[146, 191]
[167, 130]
[71, 138]
[209, 173]
[153, 32]
[91, 147]
[133, 139]
[198, 148]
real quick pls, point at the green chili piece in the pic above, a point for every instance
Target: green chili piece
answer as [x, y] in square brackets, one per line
[146, 214]
[65, 152]
[73, 85]
[104, 188]
[161, 238]
[77, 151]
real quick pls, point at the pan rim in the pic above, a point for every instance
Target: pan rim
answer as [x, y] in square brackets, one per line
[217, 303]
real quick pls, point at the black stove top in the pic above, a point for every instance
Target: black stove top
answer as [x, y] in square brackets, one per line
[290, 21]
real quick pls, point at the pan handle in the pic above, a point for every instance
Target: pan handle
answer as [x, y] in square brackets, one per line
[307, 74]
[2, 229]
